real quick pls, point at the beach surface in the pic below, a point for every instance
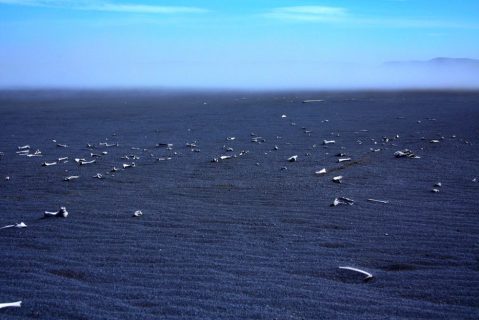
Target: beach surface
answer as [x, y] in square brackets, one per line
[250, 237]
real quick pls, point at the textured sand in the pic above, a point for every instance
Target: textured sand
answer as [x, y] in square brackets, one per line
[236, 240]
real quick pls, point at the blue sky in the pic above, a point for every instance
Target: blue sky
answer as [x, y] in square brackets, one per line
[228, 43]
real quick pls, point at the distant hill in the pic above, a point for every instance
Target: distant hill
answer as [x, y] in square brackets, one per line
[450, 73]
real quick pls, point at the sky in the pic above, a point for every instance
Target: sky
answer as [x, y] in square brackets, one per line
[251, 44]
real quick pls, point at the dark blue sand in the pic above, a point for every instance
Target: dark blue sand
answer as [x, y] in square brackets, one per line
[240, 239]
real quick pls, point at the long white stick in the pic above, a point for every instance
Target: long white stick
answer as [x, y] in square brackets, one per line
[380, 201]
[367, 274]
[10, 304]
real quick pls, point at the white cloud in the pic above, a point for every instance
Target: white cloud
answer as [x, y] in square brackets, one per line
[338, 15]
[106, 6]
[308, 13]
[139, 8]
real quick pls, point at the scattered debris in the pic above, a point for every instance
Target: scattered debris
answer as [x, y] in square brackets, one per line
[258, 140]
[337, 179]
[405, 153]
[83, 162]
[435, 190]
[164, 145]
[47, 164]
[322, 171]
[438, 184]
[293, 158]
[106, 144]
[379, 201]
[62, 213]
[70, 178]
[367, 274]
[221, 158]
[313, 100]
[98, 176]
[342, 200]
[17, 304]
[17, 225]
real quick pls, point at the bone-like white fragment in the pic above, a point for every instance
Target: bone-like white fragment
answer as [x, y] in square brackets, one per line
[69, 178]
[17, 304]
[337, 179]
[342, 200]
[367, 274]
[63, 213]
[17, 225]
[138, 213]
[83, 162]
[322, 171]
[164, 145]
[380, 201]
[313, 100]
[47, 164]
[128, 165]
[405, 153]
[344, 159]
[293, 158]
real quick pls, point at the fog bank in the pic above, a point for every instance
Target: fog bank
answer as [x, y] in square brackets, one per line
[439, 73]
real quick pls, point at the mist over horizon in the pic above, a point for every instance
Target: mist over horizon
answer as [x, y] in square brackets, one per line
[259, 76]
